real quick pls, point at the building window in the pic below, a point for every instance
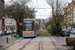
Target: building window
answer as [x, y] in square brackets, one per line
[73, 14]
[73, 21]
[7, 21]
[71, 7]
[69, 15]
[68, 10]
[74, 9]
[13, 21]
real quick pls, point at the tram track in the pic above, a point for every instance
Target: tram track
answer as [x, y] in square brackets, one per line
[41, 43]
[7, 48]
[54, 43]
[26, 44]
[40, 47]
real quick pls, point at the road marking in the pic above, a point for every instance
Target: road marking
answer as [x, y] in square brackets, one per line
[21, 43]
[18, 40]
[57, 43]
[34, 42]
[47, 43]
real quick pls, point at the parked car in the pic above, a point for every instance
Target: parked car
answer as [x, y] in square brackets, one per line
[14, 31]
[8, 32]
[1, 33]
[65, 32]
[73, 31]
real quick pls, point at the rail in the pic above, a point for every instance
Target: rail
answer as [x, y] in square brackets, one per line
[41, 43]
[26, 44]
[54, 43]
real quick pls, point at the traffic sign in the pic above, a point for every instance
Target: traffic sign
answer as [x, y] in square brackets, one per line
[20, 23]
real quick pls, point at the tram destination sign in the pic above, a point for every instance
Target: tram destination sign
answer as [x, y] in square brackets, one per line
[28, 21]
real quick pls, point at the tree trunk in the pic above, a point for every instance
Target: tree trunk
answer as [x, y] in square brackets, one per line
[58, 32]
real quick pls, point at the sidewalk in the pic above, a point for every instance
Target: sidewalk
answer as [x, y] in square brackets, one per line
[4, 46]
[11, 40]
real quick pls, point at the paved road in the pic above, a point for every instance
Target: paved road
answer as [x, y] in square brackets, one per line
[62, 40]
[72, 35]
[34, 44]
[58, 40]
[11, 39]
[3, 39]
[5, 36]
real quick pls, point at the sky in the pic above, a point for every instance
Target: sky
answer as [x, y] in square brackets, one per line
[41, 13]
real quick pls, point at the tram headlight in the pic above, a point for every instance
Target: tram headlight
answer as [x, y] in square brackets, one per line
[23, 31]
[33, 31]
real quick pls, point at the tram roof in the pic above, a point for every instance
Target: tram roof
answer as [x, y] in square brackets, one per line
[31, 19]
[28, 19]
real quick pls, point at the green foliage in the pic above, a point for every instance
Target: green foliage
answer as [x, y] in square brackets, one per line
[36, 28]
[73, 25]
[48, 28]
[52, 28]
[62, 24]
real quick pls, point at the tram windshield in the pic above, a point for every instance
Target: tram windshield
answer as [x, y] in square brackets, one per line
[28, 27]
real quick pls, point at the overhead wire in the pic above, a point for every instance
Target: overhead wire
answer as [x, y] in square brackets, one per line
[41, 8]
[37, 3]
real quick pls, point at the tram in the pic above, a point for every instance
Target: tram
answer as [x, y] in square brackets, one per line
[30, 28]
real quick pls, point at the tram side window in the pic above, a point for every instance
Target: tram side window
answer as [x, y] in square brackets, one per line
[33, 26]
[24, 27]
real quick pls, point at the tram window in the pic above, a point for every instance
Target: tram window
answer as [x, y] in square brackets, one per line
[33, 26]
[28, 27]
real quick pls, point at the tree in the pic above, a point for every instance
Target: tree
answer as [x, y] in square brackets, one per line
[19, 11]
[57, 12]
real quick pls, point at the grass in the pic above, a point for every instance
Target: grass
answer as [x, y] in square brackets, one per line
[45, 34]
[54, 35]
[49, 35]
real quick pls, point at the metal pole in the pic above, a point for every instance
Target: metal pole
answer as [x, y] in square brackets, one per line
[7, 39]
[20, 30]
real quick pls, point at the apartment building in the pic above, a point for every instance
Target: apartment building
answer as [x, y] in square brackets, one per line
[1, 8]
[69, 13]
[1, 15]
[10, 24]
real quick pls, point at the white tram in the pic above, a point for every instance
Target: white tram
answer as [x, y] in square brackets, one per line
[30, 27]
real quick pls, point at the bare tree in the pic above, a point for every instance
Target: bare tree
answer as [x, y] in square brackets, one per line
[57, 11]
[19, 11]
[57, 6]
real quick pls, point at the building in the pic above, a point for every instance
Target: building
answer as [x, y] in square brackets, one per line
[69, 13]
[10, 24]
[1, 15]
[1, 8]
